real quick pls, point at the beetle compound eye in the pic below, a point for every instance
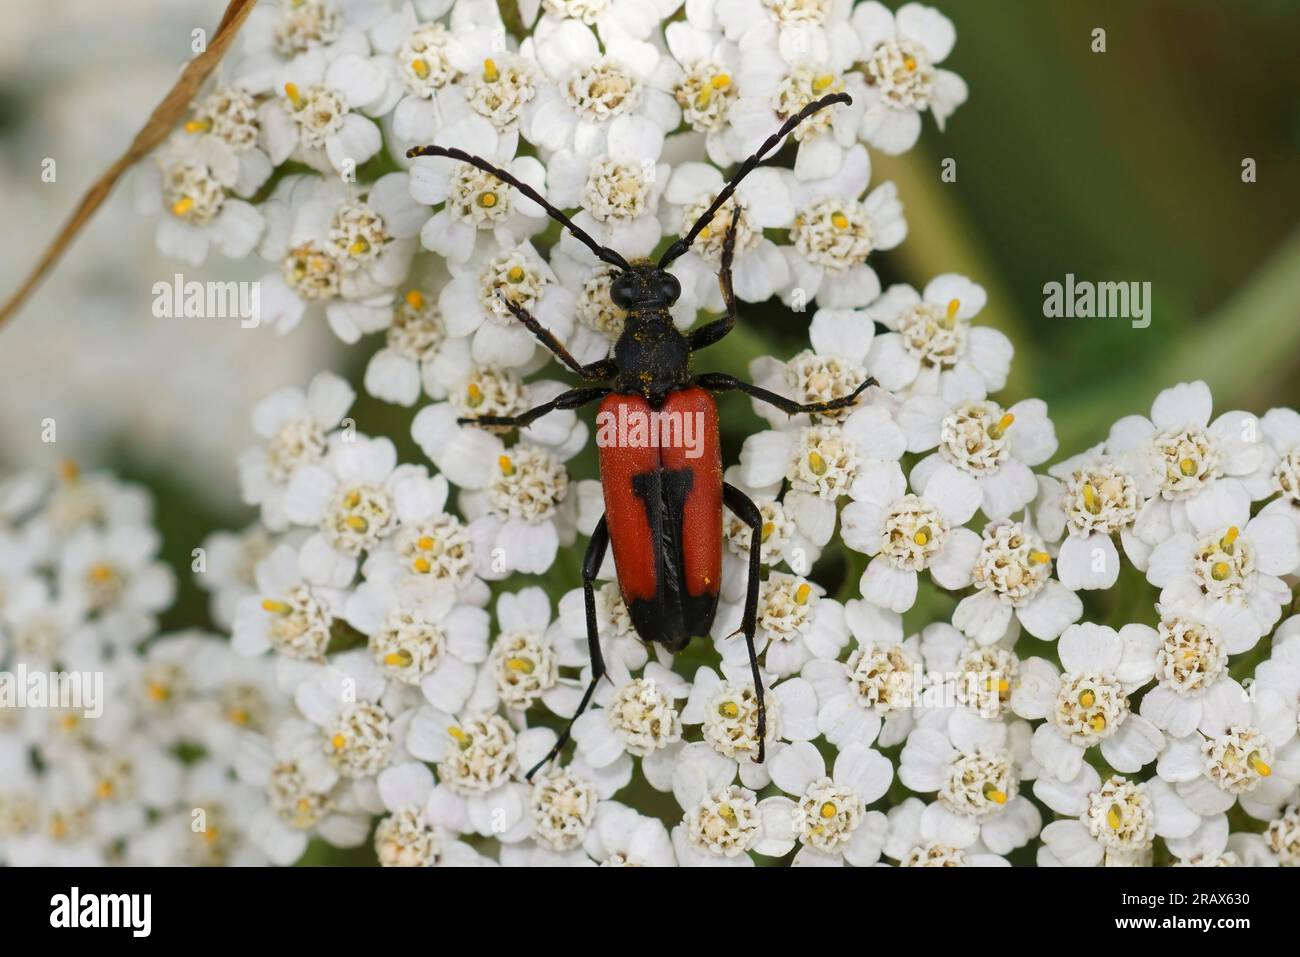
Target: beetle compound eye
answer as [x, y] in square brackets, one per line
[623, 292]
[669, 288]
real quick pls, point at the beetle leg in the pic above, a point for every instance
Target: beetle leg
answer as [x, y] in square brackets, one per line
[565, 400]
[745, 509]
[594, 372]
[591, 563]
[721, 382]
[708, 334]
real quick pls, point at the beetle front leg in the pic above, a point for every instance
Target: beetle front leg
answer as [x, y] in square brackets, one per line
[745, 509]
[591, 563]
[721, 382]
[708, 334]
[595, 372]
[572, 399]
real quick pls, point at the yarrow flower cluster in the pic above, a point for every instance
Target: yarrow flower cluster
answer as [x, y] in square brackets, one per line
[421, 678]
[118, 744]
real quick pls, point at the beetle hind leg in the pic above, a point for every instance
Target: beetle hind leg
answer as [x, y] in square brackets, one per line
[745, 509]
[591, 563]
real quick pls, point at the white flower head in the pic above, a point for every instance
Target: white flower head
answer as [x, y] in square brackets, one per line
[796, 622]
[1227, 567]
[1087, 703]
[622, 837]
[975, 766]
[590, 84]
[784, 67]
[306, 796]
[477, 303]
[833, 368]
[873, 693]
[724, 822]
[341, 250]
[707, 86]
[478, 769]
[902, 51]
[1012, 575]
[981, 674]
[835, 230]
[1242, 751]
[196, 186]
[828, 812]
[295, 426]
[634, 717]
[916, 834]
[1179, 457]
[421, 636]
[822, 463]
[355, 498]
[763, 201]
[725, 708]
[285, 612]
[407, 836]
[617, 187]
[991, 447]
[932, 346]
[907, 533]
[1090, 499]
[1111, 822]
[474, 202]
[321, 113]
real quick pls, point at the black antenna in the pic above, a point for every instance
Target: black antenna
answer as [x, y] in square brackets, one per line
[680, 246]
[603, 253]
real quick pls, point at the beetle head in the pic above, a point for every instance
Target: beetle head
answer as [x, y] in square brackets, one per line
[645, 284]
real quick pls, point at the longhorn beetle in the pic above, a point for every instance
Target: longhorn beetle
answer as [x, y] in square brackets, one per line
[663, 507]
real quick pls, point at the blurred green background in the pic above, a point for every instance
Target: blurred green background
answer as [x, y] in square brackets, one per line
[1117, 166]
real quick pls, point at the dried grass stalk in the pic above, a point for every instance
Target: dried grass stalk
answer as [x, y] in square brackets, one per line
[161, 122]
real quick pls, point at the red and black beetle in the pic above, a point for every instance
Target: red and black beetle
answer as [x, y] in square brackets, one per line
[663, 506]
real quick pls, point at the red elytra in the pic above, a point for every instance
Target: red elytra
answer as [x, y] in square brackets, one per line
[653, 535]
